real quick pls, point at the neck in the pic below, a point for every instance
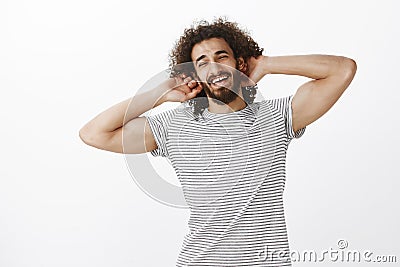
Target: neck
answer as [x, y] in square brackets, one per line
[235, 105]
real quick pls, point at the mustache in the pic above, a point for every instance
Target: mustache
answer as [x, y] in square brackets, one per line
[221, 73]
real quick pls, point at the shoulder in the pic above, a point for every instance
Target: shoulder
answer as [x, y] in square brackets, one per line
[165, 115]
[280, 104]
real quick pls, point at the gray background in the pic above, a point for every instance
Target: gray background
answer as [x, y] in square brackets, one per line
[63, 203]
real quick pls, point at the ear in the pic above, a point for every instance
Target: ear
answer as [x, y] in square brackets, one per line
[242, 64]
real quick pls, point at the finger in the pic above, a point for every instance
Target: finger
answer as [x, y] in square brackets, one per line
[199, 87]
[192, 94]
[178, 80]
[192, 84]
[184, 88]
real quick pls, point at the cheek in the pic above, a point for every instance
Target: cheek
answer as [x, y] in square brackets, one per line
[202, 75]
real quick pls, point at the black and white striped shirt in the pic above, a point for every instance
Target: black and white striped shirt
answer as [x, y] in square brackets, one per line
[231, 168]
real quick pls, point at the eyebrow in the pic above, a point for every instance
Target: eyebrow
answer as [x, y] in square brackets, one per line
[216, 53]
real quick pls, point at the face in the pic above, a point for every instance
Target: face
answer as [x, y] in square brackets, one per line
[216, 66]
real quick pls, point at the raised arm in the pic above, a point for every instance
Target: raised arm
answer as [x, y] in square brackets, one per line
[331, 76]
[107, 130]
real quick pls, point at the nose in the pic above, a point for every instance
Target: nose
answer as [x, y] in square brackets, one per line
[214, 68]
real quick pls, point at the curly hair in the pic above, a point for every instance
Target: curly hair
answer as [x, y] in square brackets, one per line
[238, 39]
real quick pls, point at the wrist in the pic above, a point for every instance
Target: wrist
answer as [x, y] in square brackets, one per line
[267, 66]
[160, 92]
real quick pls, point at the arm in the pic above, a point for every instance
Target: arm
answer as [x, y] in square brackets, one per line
[107, 130]
[331, 76]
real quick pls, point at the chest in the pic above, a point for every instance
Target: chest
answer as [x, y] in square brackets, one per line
[219, 146]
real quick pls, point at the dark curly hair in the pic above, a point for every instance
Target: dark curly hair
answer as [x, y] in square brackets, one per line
[238, 39]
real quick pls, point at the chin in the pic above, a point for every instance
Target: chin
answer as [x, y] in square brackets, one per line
[223, 96]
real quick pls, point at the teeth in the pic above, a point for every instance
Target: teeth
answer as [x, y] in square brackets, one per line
[219, 79]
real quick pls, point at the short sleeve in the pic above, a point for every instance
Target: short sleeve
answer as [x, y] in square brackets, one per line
[159, 125]
[284, 105]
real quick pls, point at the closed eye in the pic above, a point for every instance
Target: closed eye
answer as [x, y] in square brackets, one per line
[202, 63]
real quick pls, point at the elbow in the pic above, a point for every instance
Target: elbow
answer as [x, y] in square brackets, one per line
[346, 71]
[352, 66]
[84, 135]
[103, 141]
[349, 68]
[87, 136]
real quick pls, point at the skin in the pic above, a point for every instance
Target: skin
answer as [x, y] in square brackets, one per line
[109, 128]
[330, 75]
[213, 57]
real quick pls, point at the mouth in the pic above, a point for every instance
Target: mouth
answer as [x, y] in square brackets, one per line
[220, 80]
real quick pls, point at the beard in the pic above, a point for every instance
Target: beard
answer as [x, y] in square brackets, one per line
[224, 95]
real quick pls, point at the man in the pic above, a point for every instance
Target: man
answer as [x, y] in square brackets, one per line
[228, 151]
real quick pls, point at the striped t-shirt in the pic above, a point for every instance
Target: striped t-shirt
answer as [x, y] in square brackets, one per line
[231, 168]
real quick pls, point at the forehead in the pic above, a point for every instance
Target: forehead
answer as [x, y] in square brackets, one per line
[209, 47]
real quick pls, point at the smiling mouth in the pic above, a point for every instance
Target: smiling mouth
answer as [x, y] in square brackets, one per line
[220, 80]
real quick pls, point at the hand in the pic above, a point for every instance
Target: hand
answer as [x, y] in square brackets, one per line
[256, 68]
[181, 88]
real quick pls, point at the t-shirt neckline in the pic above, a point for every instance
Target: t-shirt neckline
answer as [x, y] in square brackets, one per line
[233, 113]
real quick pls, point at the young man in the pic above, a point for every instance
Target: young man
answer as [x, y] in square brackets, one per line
[228, 151]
